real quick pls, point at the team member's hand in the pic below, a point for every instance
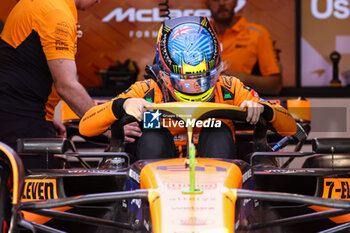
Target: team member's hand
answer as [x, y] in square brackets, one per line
[60, 129]
[254, 110]
[108, 134]
[131, 130]
[136, 106]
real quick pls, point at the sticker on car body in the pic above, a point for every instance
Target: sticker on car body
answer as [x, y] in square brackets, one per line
[39, 189]
[338, 188]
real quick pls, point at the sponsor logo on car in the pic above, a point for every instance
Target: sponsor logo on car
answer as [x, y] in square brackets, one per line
[338, 188]
[35, 189]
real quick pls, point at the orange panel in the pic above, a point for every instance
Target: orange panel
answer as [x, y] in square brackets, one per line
[173, 211]
[300, 109]
[67, 113]
[41, 219]
[340, 219]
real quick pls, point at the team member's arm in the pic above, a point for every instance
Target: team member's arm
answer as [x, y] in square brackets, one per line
[64, 73]
[61, 131]
[58, 37]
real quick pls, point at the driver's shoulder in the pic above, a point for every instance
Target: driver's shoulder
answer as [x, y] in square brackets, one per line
[144, 85]
[147, 89]
[227, 81]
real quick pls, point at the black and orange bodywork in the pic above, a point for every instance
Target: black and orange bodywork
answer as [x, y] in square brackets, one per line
[150, 196]
[165, 208]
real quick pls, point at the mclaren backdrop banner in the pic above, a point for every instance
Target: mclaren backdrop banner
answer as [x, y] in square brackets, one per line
[325, 29]
[117, 30]
[127, 29]
[124, 29]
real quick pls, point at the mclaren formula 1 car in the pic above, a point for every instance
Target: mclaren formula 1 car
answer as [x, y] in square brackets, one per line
[61, 190]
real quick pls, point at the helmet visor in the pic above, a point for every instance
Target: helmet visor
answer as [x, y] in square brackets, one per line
[192, 83]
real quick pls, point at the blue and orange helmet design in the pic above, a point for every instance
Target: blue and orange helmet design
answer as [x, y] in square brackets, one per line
[188, 56]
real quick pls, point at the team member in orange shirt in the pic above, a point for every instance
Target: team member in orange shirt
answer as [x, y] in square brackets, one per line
[37, 55]
[188, 59]
[247, 48]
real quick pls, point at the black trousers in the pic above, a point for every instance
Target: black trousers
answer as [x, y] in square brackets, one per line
[213, 143]
[13, 127]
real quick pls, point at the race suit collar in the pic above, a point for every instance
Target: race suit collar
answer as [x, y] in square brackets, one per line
[240, 25]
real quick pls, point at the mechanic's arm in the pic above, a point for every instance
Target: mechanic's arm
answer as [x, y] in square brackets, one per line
[268, 85]
[64, 74]
[99, 118]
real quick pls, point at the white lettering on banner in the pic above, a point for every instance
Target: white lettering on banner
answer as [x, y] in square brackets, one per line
[150, 15]
[146, 33]
[153, 15]
[343, 10]
[338, 8]
[175, 13]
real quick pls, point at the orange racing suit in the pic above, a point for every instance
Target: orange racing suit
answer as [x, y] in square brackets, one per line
[228, 90]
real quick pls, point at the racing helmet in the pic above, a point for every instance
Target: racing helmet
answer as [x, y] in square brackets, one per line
[188, 58]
